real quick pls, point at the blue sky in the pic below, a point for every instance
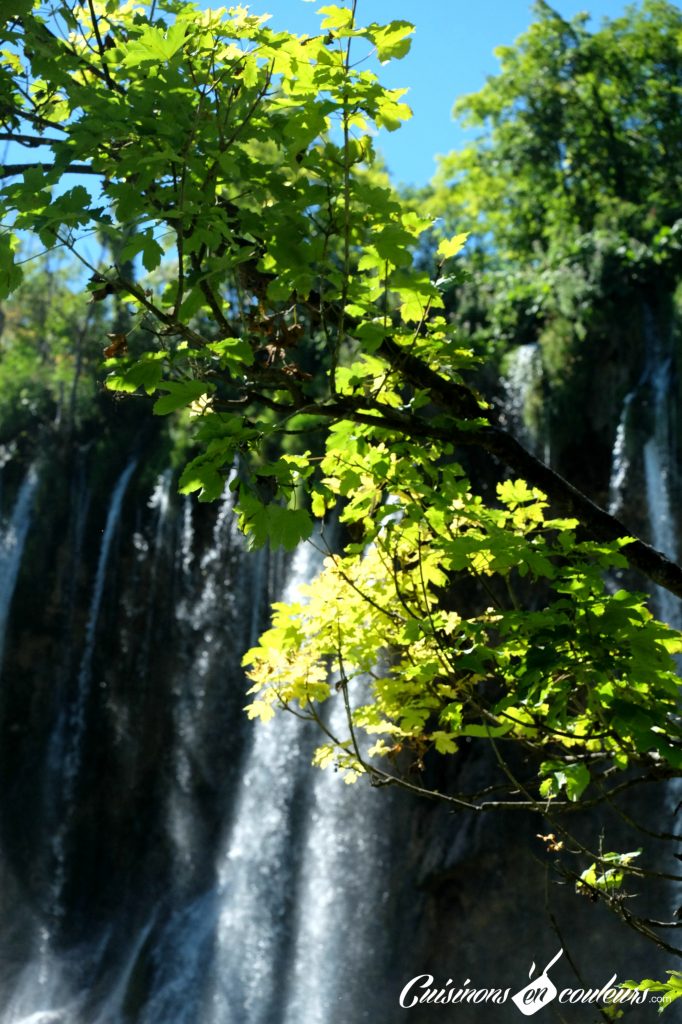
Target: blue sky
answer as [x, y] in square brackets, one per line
[452, 53]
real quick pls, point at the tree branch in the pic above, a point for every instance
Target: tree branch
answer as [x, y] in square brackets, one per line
[27, 140]
[603, 526]
[461, 402]
[11, 170]
[100, 46]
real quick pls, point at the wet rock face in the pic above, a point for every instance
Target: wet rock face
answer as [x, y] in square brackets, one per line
[482, 897]
[562, 393]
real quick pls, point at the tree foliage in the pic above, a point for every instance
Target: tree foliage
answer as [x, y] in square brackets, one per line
[50, 352]
[277, 300]
[572, 184]
[582, 130]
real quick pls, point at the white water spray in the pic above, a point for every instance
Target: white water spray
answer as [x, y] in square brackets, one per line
[254, 872]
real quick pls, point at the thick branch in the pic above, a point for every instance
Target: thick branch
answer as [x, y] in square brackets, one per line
[600, 524]
[456, 398]
[27, 140]
[461, 402]
[11, 170]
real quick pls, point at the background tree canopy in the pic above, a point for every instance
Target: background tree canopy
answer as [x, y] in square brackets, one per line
[331, 351]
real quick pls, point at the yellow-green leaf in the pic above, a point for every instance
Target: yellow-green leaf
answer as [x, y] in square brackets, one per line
[449, 247]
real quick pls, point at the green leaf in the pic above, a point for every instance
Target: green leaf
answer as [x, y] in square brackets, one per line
[449, 247]
[10, 274]
[153, 45]
[203, 475]
[145, 373]
[445, 743]
[145, 243]
[516, 492]
[17, 9]
[180, 394]
[393, 243]
[392, 41]
[390, 113]
[282, 527]
[577, 781]
[235, 353]
[336, 17]
[574, 778]
[412, 309]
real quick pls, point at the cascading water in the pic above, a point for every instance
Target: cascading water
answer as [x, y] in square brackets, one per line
[262, 946]
[339, 949]
[44, 979]
[205, 614]
[620, 460]
[659, 469]
[658, 474]
[650, 403]
[523, 374]
[159, 502]
[76, 714]
[255, 871]
[66, 749]
[268, 865]
[12, 539]
[652, 452]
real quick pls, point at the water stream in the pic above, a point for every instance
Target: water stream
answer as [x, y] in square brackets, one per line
[13, 535]
[75, 727]
[645, 433]
[269, 867]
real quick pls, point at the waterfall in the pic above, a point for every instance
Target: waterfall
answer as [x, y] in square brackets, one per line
[659, 469]
[187, 541]
[649, 405]
[48, 989]
[199, 870]
[255, 870]
[301, 858]
[76, 723]
[620, 459]
[337, 961]
[658, 475]
[242, 926]
[64, 759]
[205, 615]
[522, 375]
[645, 445]
[12, 539]
[154, 553]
